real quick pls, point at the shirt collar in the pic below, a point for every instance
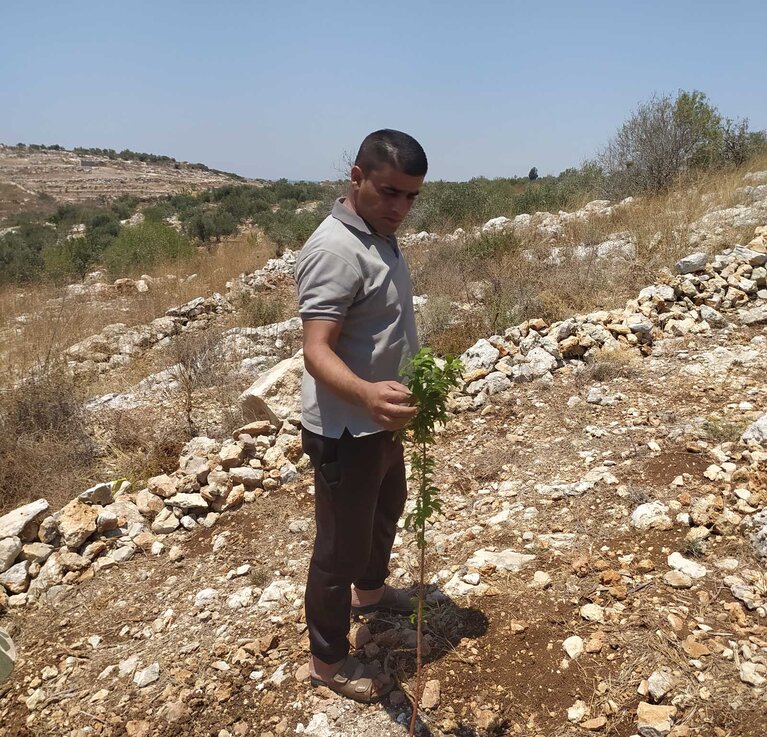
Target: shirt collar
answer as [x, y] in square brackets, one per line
[348, 217]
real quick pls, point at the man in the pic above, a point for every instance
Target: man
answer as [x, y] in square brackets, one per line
[356, 304]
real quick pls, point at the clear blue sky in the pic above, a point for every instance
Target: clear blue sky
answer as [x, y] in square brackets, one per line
[283, 88]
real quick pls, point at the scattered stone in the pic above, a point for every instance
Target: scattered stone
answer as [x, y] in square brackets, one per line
[505, 560]
[431, 695]
[678, 580]
[653, 515]
[686, 566]
[573, 646]
[147, 676]
[592, 613]
[577, 711]
[749, 674]
[654, 721]
[660, 683]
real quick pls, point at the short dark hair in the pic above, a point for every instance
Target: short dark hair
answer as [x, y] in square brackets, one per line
[395, 148]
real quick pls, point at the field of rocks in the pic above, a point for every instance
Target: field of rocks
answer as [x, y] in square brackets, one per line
[599, 566]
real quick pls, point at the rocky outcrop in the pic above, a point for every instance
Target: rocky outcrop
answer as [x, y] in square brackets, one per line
[694, 301]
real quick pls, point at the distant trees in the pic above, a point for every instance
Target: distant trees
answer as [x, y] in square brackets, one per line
[669, 136]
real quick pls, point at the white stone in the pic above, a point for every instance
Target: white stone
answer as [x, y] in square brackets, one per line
[592, 613]
[577, 711]
[652, 515]
[205, 596]
[687, 566]
[240, 599]
[148, 675]
[749, 674]
[573, 646]
[504, 560]
[10, 548]
[756, 432]
[660, 683]
[13, 523]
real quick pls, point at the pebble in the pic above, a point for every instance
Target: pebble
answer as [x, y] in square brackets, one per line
[573, 646]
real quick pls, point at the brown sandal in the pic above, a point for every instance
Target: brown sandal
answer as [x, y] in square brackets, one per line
[354, 680]
[395, 601]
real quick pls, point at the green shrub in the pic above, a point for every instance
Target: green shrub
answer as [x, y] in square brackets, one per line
[21, 258]
[144, 246]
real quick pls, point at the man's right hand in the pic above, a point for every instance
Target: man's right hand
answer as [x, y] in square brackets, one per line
[388, 403]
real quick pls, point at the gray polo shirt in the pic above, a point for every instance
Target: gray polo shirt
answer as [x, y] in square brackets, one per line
[347, 272]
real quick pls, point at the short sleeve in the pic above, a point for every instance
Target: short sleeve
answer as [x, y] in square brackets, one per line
[327, 285]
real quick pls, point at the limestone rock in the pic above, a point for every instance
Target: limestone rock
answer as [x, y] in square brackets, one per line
[654, 721]
[276, 395]
[10, 548]
[148, 675]
[692, 263]
[504, 560]
[76, 523]
[163, 485]
[592, 613]
[686, 566]
[98, 494]
[480, 357]
[749, 674]
[653, 515]
[431, 694]
[660, 683]
[756, 432]
[12, 524]
[573, 646]
[16, 577]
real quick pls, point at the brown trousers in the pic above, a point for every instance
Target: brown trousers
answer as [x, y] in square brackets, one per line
[360, 491]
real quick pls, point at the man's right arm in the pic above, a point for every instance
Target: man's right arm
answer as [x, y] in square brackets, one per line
[387, 402]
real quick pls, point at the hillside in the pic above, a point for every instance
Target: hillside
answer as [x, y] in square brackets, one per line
[29, 178]
[599, 566]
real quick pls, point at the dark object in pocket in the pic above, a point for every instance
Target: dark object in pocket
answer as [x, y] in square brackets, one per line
[331, 472]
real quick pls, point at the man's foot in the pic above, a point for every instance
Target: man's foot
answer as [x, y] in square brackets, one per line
[385, 599]
[350, 678]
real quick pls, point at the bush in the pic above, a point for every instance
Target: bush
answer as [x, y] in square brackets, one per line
[21, 252]
[667, 137]
[145, 245]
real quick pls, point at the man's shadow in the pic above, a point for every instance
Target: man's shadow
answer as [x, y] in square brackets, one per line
[445, 626]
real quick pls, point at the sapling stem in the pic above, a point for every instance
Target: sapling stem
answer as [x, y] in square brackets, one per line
[430, 381]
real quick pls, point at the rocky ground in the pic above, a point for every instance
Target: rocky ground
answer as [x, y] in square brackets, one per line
[597, 567]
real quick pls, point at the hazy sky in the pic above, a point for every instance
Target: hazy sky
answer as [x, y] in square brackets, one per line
[283, 88]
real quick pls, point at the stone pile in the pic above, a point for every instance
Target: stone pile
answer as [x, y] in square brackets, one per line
[44, 554]
[544, 225]
[266, 278]
[117, 345]
[691, 302]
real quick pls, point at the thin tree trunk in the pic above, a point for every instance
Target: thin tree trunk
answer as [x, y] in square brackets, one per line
[418, 638]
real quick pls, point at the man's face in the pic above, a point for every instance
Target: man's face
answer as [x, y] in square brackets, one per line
[384, 196]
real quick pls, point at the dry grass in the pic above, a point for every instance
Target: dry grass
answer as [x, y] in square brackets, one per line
[519, 279]
[46, 447]
[38, 323]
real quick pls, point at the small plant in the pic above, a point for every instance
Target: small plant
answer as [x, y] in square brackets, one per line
[257, 310]
[429, 380]
[723, 431]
